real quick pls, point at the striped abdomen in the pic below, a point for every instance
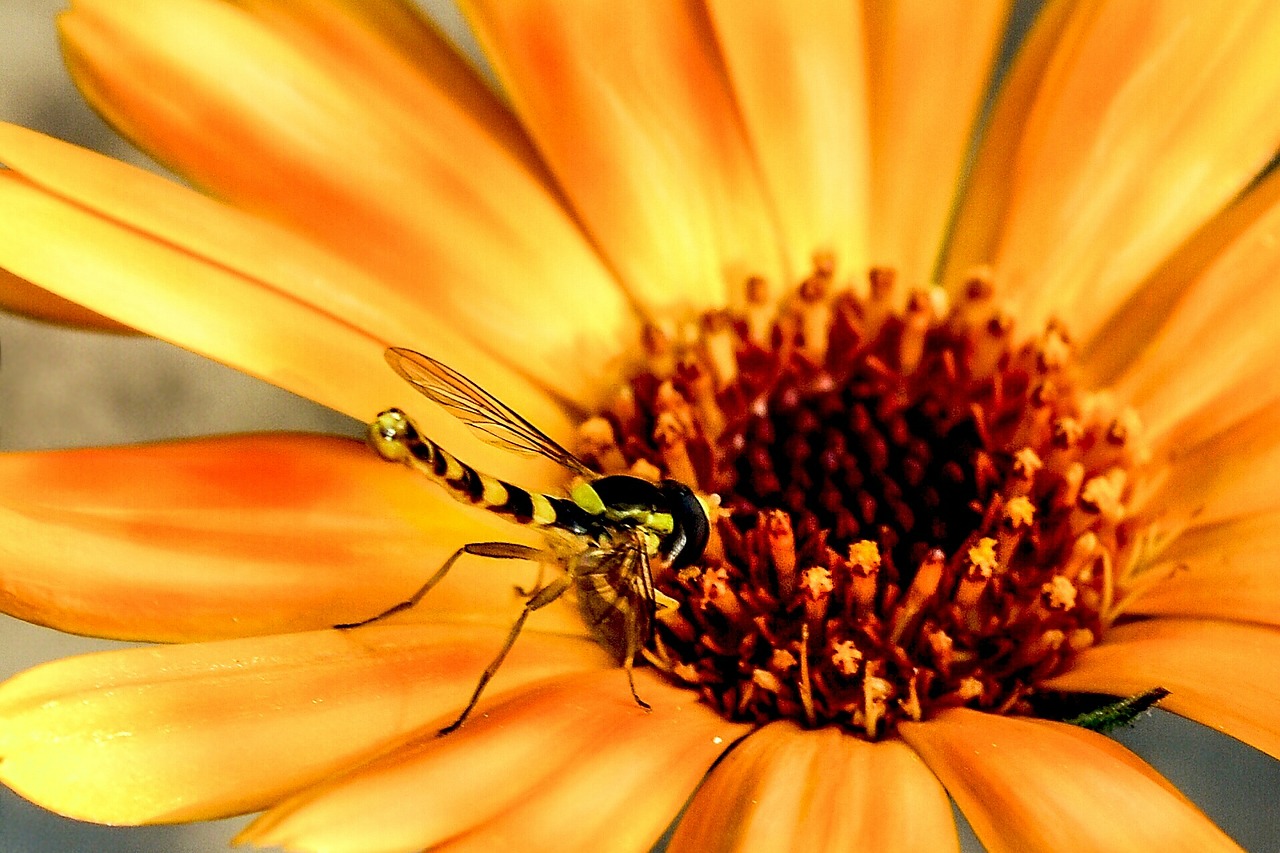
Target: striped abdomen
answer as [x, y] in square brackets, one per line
[396, 439]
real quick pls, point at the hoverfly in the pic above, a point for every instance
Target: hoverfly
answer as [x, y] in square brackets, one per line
[609, 531]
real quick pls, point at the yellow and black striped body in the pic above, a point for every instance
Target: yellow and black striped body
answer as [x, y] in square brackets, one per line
[397, 439]
[610, 531]
[665, 520]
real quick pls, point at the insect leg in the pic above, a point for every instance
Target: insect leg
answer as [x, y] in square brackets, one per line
[541, 598]
[497, 550]
[525, 592]
[629, 661]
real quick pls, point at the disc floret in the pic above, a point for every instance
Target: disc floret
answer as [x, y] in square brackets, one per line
[921, 508]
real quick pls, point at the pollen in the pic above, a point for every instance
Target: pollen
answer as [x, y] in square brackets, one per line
[921, 506]
[982, 557]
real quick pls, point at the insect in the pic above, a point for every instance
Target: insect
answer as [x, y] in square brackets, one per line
[607, 534]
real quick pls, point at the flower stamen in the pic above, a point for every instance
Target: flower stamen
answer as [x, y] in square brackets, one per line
[921, 510]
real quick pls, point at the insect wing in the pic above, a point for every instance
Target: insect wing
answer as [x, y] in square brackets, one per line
[497, 423]
[617, 580]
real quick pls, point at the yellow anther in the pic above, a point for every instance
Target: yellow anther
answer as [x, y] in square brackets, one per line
[864, 556]
[1020, 512]
[982, 557]
[1059, 593]
[846, 657]
[1026, 462]
[816, 582]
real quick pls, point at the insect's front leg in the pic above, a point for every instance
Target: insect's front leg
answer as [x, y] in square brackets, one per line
[495, 550]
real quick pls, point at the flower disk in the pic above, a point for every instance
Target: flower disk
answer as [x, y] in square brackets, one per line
[920, 510]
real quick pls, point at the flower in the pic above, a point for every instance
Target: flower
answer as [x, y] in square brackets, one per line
[1084, 432]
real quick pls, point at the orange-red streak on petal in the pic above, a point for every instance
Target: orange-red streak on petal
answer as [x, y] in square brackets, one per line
[644, 136]
[198, 731]
[378, 158]
[1225, 675]
[237, 536]
[1034, 786]
[788, 789]
[196, 272]
[571, 765]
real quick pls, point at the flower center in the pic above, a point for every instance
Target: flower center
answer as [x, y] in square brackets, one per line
[920, 509]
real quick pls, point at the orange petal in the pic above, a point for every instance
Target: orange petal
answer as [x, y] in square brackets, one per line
[1225, 675]
[1229, 475]
[392, 47]
[1148, 119]
[1131, 330]
[1229, 312]
[798, 75]
[23, 297]
[788, 789]
[1225, 570]
[570, 765]
[238, 536]
[372, 158]
[200, 274]
[191, 732]
[629, 104]
[1032, 785]
[929, 65]
[984, 202]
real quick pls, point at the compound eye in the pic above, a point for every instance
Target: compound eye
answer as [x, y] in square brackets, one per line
[692, 529]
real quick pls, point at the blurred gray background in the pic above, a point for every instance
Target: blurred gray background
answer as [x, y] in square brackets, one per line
[62, 388]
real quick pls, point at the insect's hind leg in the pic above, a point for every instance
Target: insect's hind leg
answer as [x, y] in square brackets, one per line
[495, 550]
[541, 598]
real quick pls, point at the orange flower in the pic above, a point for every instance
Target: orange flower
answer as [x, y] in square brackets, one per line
[951, 507]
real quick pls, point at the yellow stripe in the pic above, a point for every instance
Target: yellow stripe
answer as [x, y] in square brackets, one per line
[453, 468]
[542, 511]
[495, 494]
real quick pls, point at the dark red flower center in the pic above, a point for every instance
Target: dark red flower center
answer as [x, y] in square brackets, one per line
[920, 508]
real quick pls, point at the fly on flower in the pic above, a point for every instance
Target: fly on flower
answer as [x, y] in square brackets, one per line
[607, 534]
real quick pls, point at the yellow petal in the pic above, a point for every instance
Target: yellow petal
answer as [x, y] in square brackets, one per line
[1225, 570]
[570, 765]
[191, 732]
[23, 297]
[417, 190]
[788, 789]
[1225, 675]
[1216, 357]
[238, 536]
[171, 263]
[1033, 785]
[1148, 119]
[929, 65]
[798, 75]
[630, 106]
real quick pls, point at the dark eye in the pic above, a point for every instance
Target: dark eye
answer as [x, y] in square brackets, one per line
[692, 528]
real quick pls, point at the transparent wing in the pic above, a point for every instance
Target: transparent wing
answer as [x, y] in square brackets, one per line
[620, 580]
[497, 423]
